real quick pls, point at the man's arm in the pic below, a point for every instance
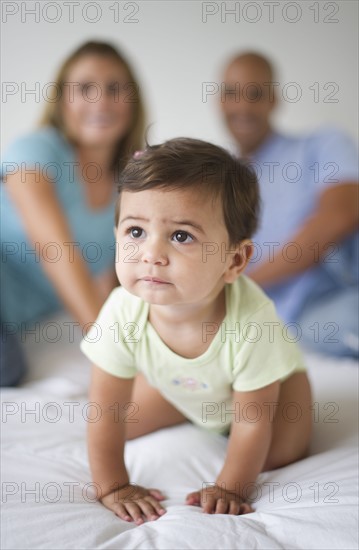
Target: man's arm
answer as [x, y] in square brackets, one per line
[336, 217]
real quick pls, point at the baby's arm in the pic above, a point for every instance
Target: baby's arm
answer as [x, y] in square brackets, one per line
[247, 451]
[106, 441]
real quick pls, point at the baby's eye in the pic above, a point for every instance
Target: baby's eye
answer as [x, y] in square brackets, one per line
[136, 232]
[182, 237]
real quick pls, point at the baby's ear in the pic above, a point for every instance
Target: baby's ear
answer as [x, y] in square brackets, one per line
[241, 257]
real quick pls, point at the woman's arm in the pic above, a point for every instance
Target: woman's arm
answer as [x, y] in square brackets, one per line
[106, 282]
[45, 222]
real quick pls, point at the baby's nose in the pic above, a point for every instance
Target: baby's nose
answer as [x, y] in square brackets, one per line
[154, 252]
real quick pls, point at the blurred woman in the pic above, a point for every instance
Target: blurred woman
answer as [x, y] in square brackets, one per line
[57, 196]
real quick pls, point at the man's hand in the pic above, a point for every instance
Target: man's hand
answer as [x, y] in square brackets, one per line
[132, 502]
[216, 500]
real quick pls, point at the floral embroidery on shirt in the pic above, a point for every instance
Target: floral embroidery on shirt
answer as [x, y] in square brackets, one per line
[189, 383]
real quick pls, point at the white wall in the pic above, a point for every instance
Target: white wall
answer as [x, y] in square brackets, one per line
[176, 47]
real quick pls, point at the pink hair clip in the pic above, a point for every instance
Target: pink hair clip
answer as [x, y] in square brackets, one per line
[138, 154]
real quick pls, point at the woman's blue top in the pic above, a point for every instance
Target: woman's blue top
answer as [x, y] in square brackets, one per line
[27, 295]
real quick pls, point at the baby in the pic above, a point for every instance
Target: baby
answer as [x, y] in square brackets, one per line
[187, 336]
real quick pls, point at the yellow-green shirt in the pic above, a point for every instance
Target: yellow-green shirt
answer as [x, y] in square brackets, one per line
[250, 350]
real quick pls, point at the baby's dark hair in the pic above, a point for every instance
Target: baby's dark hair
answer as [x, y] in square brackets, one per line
[183, 163]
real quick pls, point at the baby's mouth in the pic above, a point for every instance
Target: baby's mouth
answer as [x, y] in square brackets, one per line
[155, 280]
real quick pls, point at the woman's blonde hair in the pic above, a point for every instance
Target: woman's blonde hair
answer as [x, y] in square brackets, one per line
[52, 115]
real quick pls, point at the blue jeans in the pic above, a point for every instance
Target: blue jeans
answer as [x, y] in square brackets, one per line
[330, 324]
[12, 359]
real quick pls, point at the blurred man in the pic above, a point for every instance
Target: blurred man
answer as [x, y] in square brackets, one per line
[306, 254]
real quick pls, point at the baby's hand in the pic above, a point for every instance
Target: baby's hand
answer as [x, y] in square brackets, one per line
[131, 502]
[216, 500]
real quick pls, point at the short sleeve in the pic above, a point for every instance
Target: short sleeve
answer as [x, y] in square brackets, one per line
[105, 343]
[336, 157]
[41, 150]
[268, 351]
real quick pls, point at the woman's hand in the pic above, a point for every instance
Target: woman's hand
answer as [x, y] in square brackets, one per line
[216, 500]
[105, 283]
[132, 502]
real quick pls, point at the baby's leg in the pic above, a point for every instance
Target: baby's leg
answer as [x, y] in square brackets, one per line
[151, 410]
[292, 425]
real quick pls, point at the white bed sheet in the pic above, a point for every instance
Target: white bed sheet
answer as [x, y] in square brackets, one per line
[48, 501]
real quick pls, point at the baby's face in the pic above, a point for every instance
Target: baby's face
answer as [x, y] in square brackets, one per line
[172, 246]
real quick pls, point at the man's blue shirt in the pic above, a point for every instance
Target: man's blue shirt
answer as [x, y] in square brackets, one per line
[293, 171]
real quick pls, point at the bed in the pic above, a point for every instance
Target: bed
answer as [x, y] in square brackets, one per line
[48, 500]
